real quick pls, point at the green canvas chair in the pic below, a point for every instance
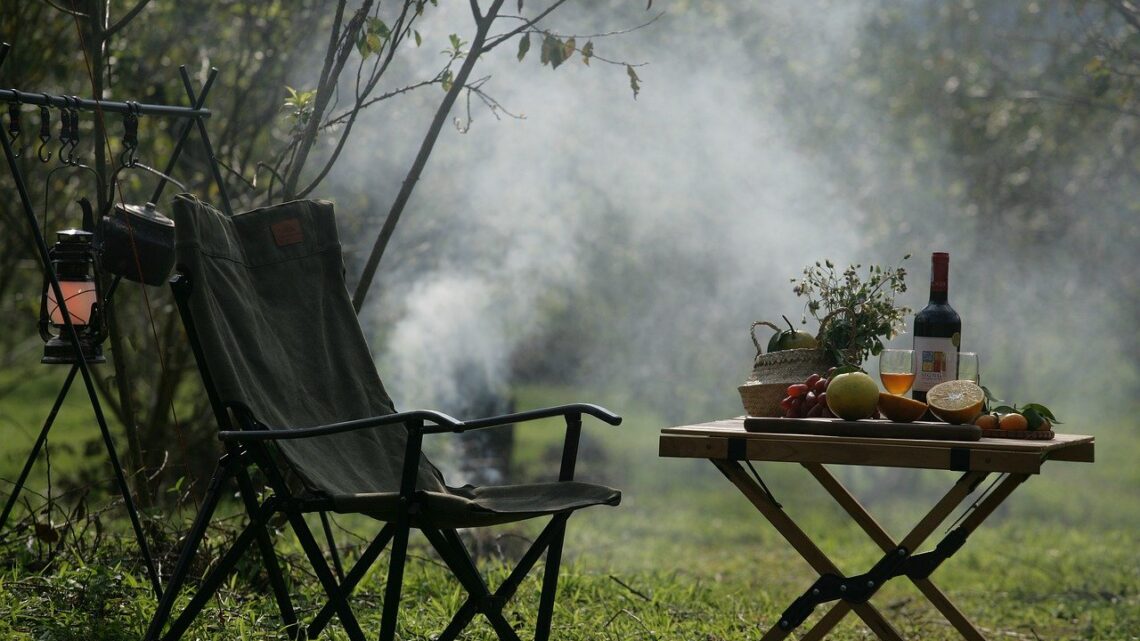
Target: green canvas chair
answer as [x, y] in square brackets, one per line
[296, 394]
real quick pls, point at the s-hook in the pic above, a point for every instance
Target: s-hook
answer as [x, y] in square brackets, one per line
[130, 135]
[14, 125]
[45, 131]
[64, 130]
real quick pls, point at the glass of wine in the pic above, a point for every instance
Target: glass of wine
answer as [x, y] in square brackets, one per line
[968, 367]
[896, 370]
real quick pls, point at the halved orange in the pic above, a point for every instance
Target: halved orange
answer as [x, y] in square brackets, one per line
[900, 409]
[956, 401]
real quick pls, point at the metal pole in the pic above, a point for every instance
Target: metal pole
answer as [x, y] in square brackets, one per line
[84, 369]
[37, 447]
[107, 106]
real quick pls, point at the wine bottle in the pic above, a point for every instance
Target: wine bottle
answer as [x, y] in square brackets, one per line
[937, 332]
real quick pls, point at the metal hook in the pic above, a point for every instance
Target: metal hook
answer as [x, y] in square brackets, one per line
[74, 117]
[45, 131]
[64, 130]
[14, 126]
[130, 135]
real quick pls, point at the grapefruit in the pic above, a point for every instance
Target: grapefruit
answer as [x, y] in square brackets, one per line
[852, 396]
[956, 401]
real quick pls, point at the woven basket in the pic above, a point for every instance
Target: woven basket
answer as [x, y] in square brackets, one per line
[763, 399]
[773, 372]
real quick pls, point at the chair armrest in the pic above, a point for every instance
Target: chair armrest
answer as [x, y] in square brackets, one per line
[438, 419]
[568, 411]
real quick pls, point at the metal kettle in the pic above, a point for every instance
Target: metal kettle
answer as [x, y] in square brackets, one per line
[137, 243]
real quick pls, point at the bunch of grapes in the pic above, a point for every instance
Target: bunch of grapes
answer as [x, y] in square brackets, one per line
[809, 398]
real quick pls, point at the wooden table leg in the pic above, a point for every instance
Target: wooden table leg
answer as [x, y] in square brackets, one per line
[980, 512]
[808, 550]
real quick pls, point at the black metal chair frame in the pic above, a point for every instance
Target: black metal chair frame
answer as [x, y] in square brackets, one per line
[247, 447]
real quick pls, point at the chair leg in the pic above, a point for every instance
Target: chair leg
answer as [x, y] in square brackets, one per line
[189, 549]
[214, 580]
[454, 554]
[549, 583]
[336, 595]
[395, 581]
[269, 559]
[359, 569]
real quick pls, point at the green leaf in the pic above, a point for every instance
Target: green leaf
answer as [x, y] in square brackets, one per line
[520, 6]
[552, 51]
[634, 81]
[1033, 419]
[524, 46]
[419, 38]
[455, 41]
[1040, 409]
[447, 80]
[587, 52]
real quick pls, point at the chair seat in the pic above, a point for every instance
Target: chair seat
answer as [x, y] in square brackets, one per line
[470, 506]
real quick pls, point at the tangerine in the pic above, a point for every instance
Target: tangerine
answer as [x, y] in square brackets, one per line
[1013, 422]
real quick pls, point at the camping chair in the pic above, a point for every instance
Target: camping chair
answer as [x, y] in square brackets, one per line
[294, 389]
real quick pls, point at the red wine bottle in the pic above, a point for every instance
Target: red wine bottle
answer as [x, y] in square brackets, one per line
[937, 332]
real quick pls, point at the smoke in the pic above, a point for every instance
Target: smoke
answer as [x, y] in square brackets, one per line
[622, 244]
[687, 210]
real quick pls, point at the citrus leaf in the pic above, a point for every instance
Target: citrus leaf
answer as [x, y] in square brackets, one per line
[1042, 410]
[1032, 418]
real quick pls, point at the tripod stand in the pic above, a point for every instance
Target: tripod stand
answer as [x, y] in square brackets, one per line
[195, 118]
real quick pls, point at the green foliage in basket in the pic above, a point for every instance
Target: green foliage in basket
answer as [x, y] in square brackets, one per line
[856, 312]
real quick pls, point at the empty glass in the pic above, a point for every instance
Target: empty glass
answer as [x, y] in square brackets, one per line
[968, 367]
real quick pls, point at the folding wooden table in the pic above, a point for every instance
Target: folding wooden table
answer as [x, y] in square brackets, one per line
[727, 445]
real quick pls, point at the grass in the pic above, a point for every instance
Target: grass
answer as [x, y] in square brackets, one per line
[684, 557]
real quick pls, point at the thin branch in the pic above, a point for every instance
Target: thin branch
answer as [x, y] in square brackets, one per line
[126, 19]
[525, 26]
[70, 12]
[416, 170]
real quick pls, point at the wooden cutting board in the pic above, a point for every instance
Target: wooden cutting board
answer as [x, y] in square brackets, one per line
[868, 428]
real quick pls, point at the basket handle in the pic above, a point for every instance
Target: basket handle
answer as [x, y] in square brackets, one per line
[752, 332]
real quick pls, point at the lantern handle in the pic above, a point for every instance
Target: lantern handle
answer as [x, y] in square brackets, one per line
[47, 184]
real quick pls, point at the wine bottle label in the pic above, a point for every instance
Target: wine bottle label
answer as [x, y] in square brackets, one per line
[936, 360]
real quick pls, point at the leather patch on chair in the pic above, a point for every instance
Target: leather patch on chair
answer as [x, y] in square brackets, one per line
[287, 232]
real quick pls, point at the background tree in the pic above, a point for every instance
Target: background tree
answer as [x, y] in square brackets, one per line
[275, 142]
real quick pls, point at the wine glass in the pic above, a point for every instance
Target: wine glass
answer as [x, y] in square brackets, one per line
[968, 367]
[896, 370]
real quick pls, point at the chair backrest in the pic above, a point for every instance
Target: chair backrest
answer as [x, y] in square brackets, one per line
[278, 334]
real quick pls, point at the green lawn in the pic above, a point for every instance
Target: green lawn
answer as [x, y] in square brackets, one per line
[684, 557]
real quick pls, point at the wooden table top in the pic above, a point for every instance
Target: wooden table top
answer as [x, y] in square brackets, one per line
[727, 439]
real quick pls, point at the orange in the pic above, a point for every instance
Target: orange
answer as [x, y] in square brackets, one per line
[987, 422]
[900, 409]
[1013, 422]
[956, 401]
